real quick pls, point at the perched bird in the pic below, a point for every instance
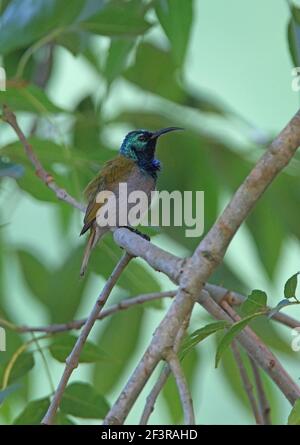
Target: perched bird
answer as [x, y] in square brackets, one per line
[136, 166]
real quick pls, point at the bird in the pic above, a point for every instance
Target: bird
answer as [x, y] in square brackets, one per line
[135, 165]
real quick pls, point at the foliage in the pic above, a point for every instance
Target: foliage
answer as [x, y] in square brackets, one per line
[114, 39]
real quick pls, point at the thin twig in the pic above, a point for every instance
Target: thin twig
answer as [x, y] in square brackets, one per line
[77, 324]
[262, 397]
[163, 377]
[40, 350]
[73, 359]
[182, 385]
[41, 76]
[220, 293]
[10, 118]
[8, 370]
[153, 395]
[247, 384]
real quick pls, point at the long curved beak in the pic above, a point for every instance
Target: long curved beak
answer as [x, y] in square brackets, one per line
[158, 133]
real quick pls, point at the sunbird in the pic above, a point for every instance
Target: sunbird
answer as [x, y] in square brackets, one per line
[136, 166]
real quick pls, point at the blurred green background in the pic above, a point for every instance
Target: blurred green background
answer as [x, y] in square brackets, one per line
[79, 79]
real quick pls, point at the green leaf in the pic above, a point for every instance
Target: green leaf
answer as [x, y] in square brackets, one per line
[63, 345]
[26, 21]
[7, 391]
[117, 19]
[295, 13]
[235, 329]
[30, 98]
[60, 289]
[116, 58]
[82, 400]
[12, 170]
[160, 81]
[33, 413]
[66, 288]
[270, 233]
[291, 286]
[62, 419]
[32, 185]
[23, 364]
[256, 301]
[50, 153]
[294, 417]
[200, 334]
[127, 326]
[293, 31]
[86, 129]
[36, 275]
[75, 42]
[280, 305]
[176, 17]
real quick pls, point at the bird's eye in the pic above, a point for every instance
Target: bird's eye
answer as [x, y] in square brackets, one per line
[143, 137]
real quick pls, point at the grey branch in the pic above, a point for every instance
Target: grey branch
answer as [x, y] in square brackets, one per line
[202, 264]
[163, 377]
[184, 393]
[153, 395]
[256, 349]
[264, 405]
[10, 118]
[247, 383]
[77, 324]
[73, 359]
[218, 293]
[192, 273]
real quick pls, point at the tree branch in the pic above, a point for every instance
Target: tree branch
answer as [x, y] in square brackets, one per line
[77, 324]
[256, 349]
[204, 261]
[154, 393]
[192, 273]
[219, 293]
[264, 405]
[10, 118]
[184, 393]
[73, 359]
[247, 383]
[163, 377]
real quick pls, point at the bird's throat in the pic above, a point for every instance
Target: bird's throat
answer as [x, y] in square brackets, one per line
[151, 167]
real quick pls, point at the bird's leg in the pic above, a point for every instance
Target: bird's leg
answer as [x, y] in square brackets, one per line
[142, 235]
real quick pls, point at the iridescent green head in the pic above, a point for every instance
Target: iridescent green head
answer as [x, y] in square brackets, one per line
[139, 145]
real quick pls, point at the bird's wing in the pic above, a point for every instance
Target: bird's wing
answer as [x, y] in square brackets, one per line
[113, 172]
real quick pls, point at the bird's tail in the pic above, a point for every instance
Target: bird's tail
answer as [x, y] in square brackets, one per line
[87, 251]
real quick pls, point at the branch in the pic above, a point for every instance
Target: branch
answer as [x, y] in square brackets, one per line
[157, 258]
[202, 264]
[219, 294]
[264, 405]
[155, 391]
[247, 383]
[163, 377]
[10, 118]
[184, 393]
[255, 348]
[192, 273]
[77, 324]
[73, 359]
